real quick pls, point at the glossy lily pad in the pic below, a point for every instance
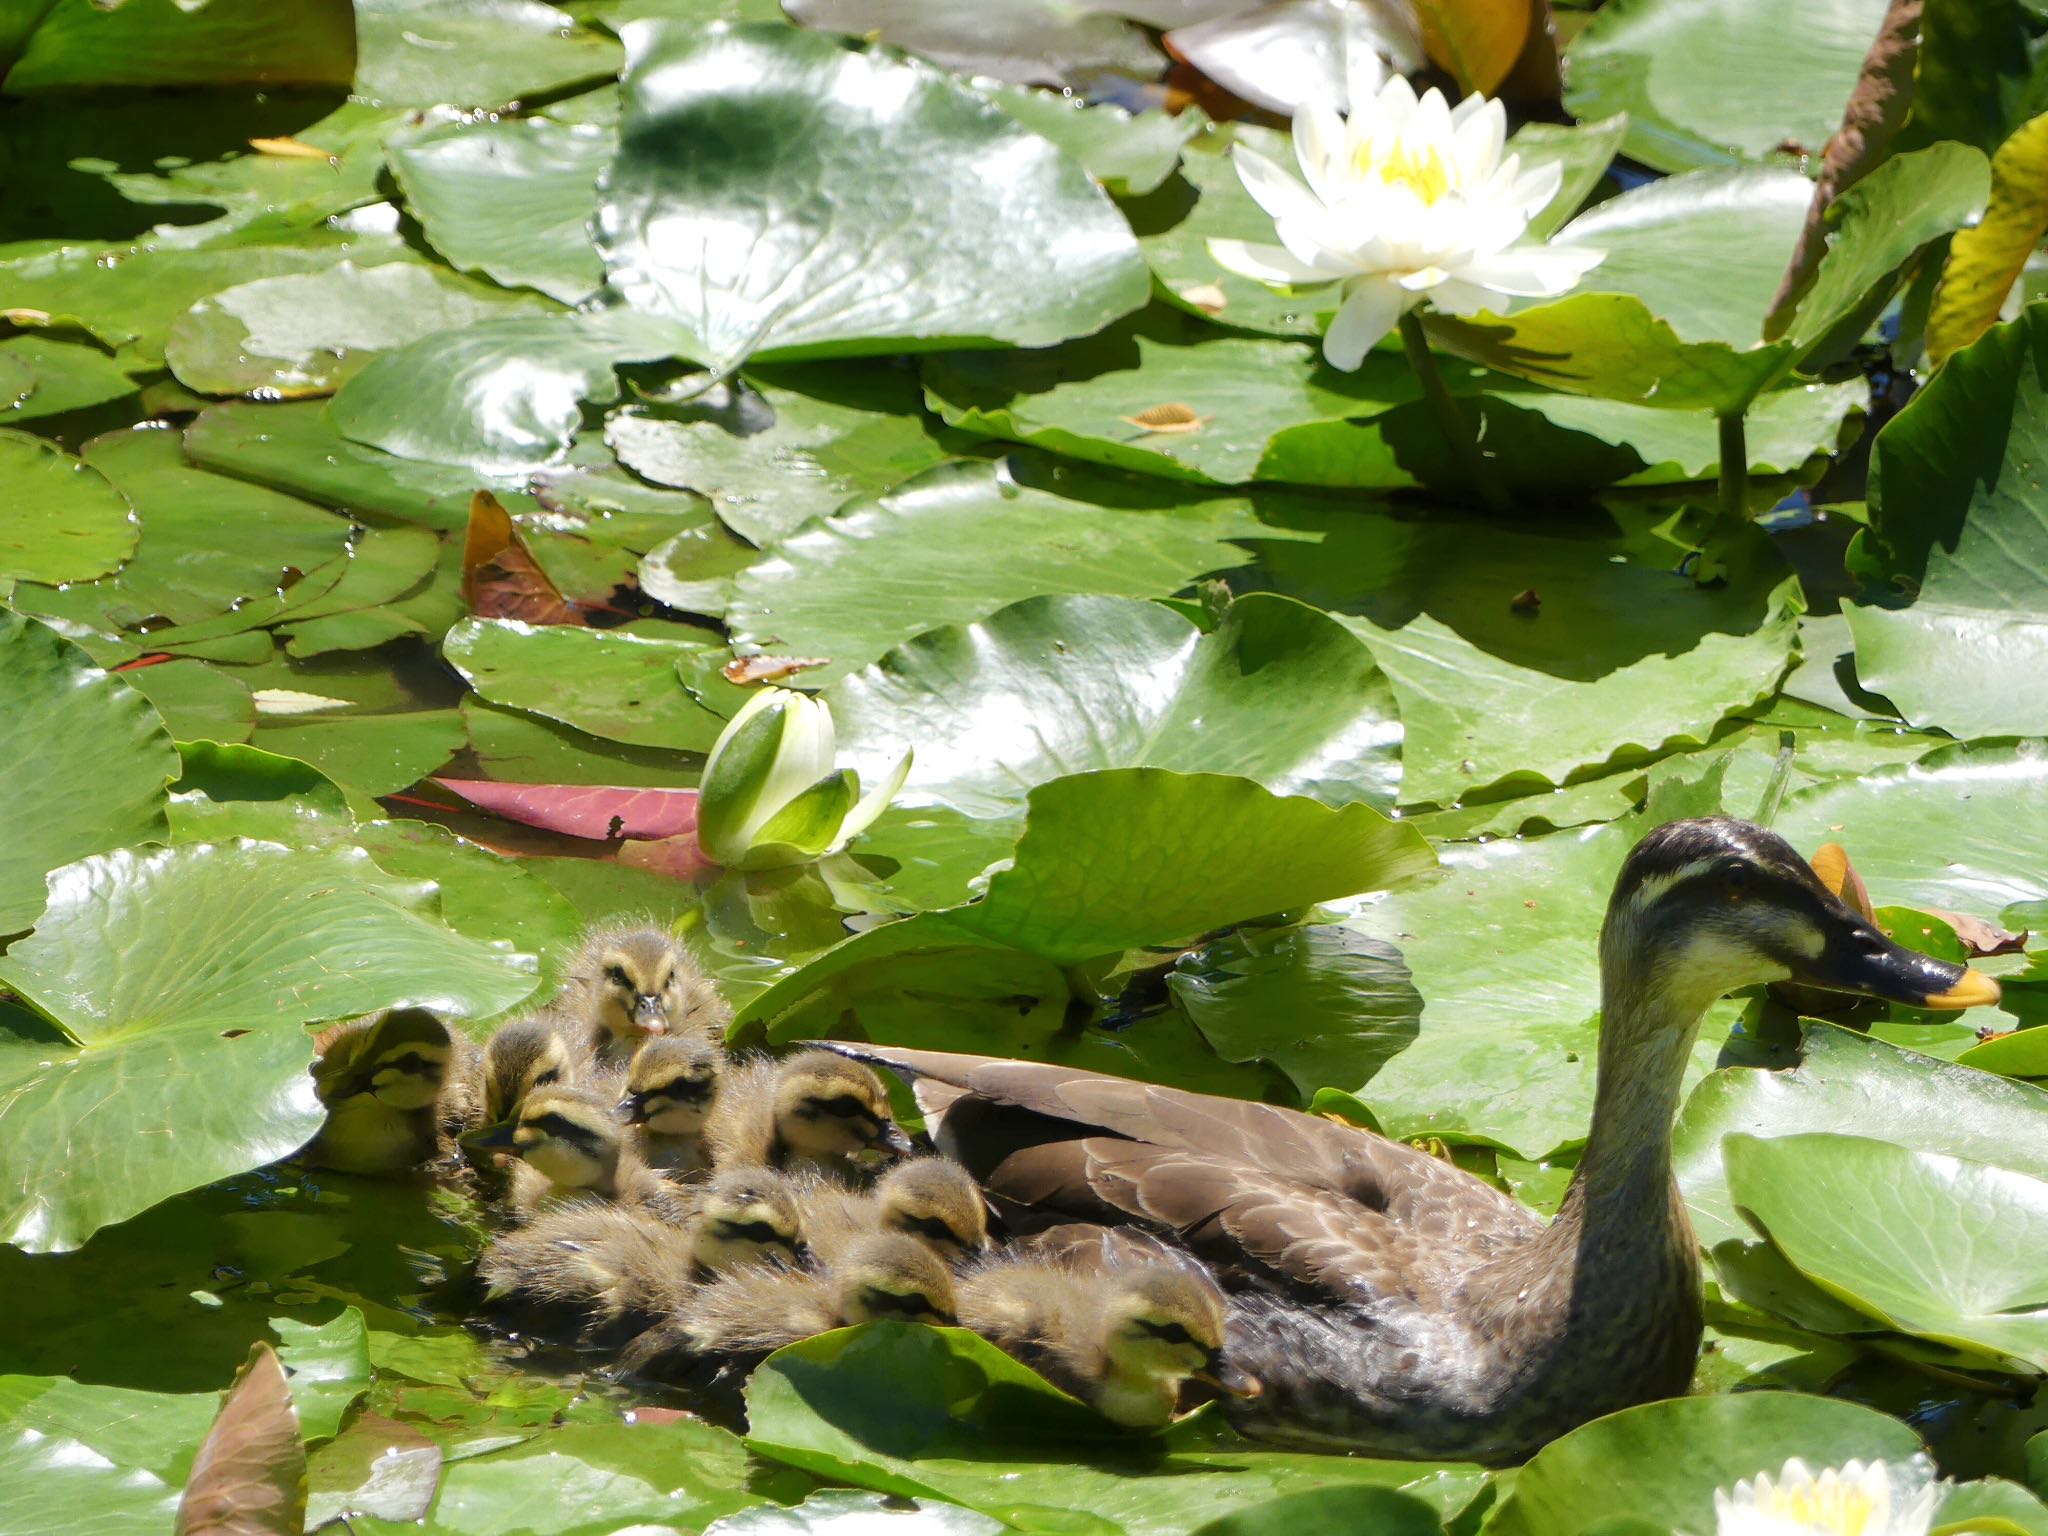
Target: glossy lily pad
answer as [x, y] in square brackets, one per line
[63, 521]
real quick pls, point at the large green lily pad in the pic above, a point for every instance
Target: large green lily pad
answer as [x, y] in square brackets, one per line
[1620, 655]
[1277, 693]
[1961, 527]
[804, 230]
[94, 1458]
[962, 541]
[65, 45]
[62, 522]
[473, 53]
[1949, 1253]
[85, 763]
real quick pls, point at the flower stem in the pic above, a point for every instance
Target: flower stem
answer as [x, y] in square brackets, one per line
[1450, 417]
[1734, 466]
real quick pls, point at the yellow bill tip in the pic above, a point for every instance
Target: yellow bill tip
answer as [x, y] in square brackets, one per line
[1973, 989]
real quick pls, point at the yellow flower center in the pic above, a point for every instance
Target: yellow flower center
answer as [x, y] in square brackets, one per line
[1840, 1509]
[1420, 169]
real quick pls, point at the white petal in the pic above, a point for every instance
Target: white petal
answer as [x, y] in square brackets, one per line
[1479, 136]
[1272, 188]
[1421, 279]
[1533, 189]
[1319, 147]
[1364, 74]
[872, 804]
[1264, 263]
[1396, 103]
[1532, 271]
[1370, 310]
[1456, 297]
[1431, 128]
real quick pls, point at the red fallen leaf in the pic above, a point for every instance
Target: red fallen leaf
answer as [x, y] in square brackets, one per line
[603, 813]
[500, 577]
[656, 1416]
[679, 858]
[153, 659]
[768, 669]
[249, 1478]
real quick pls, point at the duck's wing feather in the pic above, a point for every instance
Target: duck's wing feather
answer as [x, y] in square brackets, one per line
[1230, 1152]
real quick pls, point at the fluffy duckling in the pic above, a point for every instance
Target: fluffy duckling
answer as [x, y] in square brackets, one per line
[615, 1264]
[627, 984]
[755, 1308]
[813, 1108]
[1123, 1341]
[570, 1144]
[668, 1091]
[523, 1054]
[930, 1199]
[394, 1089]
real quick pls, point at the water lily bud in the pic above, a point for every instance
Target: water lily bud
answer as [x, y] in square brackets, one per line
[1406, 199]
[771, 793]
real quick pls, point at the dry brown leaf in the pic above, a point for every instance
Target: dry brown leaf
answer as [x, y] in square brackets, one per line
[292, 149]
[249, 1478]
[1209, 298]
[768, 669]
[1980, 937]
[1877, 108]
[1476, 42]
[500, 577]
[1169, 418]
[1831, 863]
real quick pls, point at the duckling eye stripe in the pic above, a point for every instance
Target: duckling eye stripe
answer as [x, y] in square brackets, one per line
[912, 1306]
[562, 1126]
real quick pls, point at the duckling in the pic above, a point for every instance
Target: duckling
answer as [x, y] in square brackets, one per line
[812, 1108]
[523, 1054]
[393, 1088]
[756, 1308]
[1122, 1340]
[629, 983]
[570, 1144]
[668, 1087]
[928, 1198]
[613, 1264]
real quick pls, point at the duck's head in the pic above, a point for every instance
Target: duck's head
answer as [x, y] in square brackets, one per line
[1163, 1325]
[891, 1276]
[521, 1056]
[937, 1202]
[635, 982]
[1704, 907]
[669, 1084]
[399, 1058]
[827, 1108]
[569, 1136]
[745, 1215]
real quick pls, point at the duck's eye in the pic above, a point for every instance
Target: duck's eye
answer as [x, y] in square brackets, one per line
[1735, 879]
[542, 1079]
[616, 975]
[1169, 1333]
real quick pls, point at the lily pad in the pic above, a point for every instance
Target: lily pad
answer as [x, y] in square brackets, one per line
[630, 687]
[961, 541]
[303, 334]
[62, 376]
[511, 198]
[1277, 693]
[808, 235]
[158, 42]
[63, 521]
[85, 762]
[1961, 528]
[473, 53]
[1617, 657]
[787, 444]
[500, 396]
[1852, 1085]
[1949, 1254]
[98, 1458]
[1038, 42]
[1660, 1464]
[1130, 153]
[1708, 86]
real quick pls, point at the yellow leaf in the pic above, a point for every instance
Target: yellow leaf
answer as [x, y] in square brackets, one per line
[1984, 262]
[1476, 41]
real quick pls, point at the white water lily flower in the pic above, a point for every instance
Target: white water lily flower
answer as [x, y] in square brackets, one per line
[1406, 199]
[771, 793]
[1859, 1499]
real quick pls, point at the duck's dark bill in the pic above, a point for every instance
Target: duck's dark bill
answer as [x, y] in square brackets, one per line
[1225, 1377]
[1862, 960]
[489, 1138]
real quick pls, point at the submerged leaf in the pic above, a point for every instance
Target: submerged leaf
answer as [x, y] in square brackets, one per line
[249, 1478]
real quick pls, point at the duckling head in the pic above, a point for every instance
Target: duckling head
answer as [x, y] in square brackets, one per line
[937, 1202]
[745, 1215]
[399, 1058]
[828, 1108]
[526, 1054]
[1706, 906]
[893, 1276]
[636, 982]
[1161, 1327]
[669, 1084]
[570, 1137]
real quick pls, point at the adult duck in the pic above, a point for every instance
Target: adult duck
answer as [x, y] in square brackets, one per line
[1389, 1301]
